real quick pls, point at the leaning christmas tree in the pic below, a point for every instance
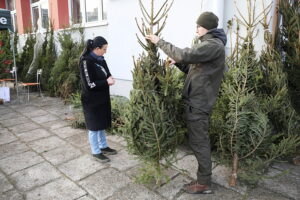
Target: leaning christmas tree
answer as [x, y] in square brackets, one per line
[152, 125]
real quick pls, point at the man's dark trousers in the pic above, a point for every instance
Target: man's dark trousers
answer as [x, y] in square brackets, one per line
[198, 124]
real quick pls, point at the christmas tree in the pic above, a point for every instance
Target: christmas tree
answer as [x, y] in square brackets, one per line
[290, 47]
[153, 124]
[6, 54]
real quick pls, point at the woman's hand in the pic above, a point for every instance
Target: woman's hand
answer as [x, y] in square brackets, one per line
[111, 80]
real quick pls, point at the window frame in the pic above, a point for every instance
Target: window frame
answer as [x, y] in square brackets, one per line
[38, 4]
[13, 13]
[84, 22]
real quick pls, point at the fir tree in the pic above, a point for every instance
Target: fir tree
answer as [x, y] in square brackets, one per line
[49, 58]
[65, 78]
[25, 57]
[152, 127]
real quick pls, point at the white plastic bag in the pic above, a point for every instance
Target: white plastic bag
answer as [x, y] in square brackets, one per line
[4, 94]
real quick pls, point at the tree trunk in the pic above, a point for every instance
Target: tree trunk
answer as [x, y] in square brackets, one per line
[233, 177]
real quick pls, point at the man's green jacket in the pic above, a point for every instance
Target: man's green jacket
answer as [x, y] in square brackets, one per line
[204, 65]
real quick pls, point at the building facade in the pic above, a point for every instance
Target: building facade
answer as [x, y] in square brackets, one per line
[115, 20]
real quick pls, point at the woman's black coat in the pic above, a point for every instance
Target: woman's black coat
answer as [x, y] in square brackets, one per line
[95, 95]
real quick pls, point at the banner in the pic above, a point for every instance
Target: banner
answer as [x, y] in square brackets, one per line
[5, 20]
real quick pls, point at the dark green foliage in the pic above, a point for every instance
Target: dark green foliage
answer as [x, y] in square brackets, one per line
[119, 106]
[290, 47]
[65, 78]
[6, 54]
[47, 58]
[25, 57]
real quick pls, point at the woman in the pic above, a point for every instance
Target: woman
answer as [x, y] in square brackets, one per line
[95, 97]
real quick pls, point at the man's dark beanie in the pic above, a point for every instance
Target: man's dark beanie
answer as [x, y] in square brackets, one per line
[208, 20]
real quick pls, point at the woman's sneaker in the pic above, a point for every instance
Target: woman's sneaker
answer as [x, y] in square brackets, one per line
[109, 151]
[102, 158]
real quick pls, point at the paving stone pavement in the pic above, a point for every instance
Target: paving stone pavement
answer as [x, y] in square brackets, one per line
[43, 158]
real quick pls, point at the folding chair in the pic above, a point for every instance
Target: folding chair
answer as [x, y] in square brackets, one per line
[37, 83]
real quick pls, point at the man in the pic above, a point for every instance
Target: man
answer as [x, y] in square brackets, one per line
[204, 65]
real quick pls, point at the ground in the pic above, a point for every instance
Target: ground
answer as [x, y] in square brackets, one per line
[43, 157]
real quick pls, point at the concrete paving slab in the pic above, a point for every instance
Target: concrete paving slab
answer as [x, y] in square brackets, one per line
[26, 108]
[35, 176]
[81, 167]
[21, 128]
[188, 164]
[11, 195]
[221, 175]
[123, 161]
[20, 161]
[55, 124]
[61, 112]
[5, 185]
[61, 189]
[62, 154]
[135, 172]
[86, 197]
[34, 135]
[12, 148]
[44, 118]
[260, 194]
[14, 121]
[220, 193]
[283, 166]
[46, 144]
[35, 113]
[135, 192]
[105, 183]
[286, 184]
[172, 188]
[6, 137]
[79, 140]
[116, 139]
[9, 115]
[5, 109]
[68, 131]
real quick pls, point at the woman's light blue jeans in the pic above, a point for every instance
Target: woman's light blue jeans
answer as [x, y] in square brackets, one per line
[97, 141]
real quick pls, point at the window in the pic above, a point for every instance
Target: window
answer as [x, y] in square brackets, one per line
[87, 11]
[11, 5]
[40, 15]
[76, 12]
[35, 18]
